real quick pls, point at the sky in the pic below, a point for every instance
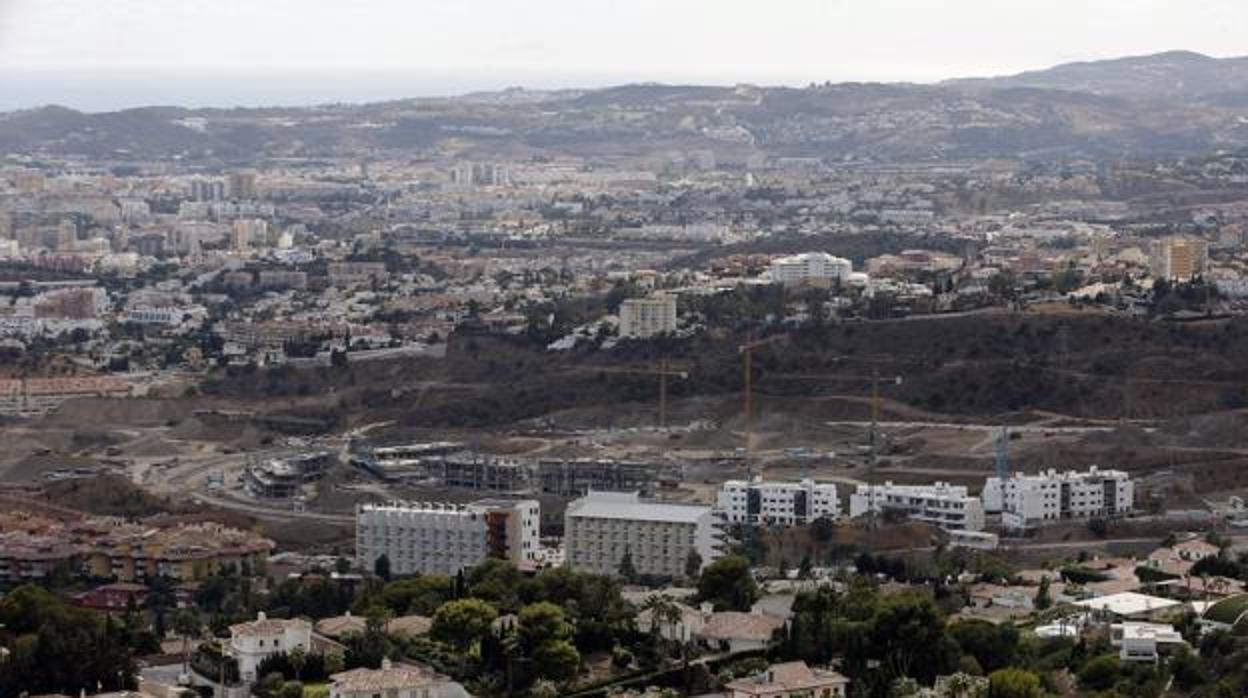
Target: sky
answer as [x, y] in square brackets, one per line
[101, 54]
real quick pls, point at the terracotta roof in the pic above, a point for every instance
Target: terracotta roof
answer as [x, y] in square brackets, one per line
[410, 625]
[392, 678]
[267, 626]
[787, 677]
[733, 625]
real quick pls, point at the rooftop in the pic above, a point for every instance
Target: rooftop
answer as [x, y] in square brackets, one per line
[628, 506]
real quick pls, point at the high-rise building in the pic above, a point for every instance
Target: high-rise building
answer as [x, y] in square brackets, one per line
[1179, 259]
[756, 502]
[207, 190]
[241, 186]
[1029, 501]
[942, 505]
[427, 538]
[247, 232]
[602, 527]
[646, 317]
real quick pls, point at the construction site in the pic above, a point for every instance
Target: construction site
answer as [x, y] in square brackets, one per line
[675, 424]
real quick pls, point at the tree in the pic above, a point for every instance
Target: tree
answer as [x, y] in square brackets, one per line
[291, 689]
[335, 662]
[993, 646]
[1043, 598]
[381, 567]
[557, 660]
[728, 584]
[1014, 683]
[1101, 673]
[693, 564]
[419, 595]
[188, 625]
[463, 622]
[298, 658]
[627, 570]
[540, 623]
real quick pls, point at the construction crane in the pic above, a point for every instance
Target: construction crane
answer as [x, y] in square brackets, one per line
[747, 353]
[663, 371]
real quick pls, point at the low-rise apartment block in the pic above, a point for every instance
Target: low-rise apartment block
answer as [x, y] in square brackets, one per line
[945, 506]
[756, 502]
[602, 527]
[1028, 501]
[32, 547]
[427, 538]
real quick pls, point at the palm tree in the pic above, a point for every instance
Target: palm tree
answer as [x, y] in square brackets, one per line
[188, 625]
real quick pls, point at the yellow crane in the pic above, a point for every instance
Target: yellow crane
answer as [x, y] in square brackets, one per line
[747, 353]
[664, 371]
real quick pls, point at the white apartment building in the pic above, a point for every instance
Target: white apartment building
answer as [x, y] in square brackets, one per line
[814, 268]
[756, 502]
[1028, 501]
[945, 506]
[253, 642]
[646, 317]
[428, 538]
[601, 527]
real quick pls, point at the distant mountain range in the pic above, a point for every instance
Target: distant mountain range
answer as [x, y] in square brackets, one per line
[1162, 76]
[1167, 104]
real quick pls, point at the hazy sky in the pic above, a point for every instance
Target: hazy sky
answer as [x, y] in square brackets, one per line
[578, 41]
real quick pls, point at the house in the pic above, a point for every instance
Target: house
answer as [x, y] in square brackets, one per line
[394, 681]
[790, 680]
[732, 631]
[1144, 642]
[114, 597]
[253, 642]
[739, 632]
[1130, 605]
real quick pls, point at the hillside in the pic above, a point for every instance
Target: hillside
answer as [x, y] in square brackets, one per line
[1169, 104]
[1173, 75]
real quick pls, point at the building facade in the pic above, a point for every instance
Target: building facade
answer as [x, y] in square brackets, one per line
[756, 502]
[602, 527]
[435, 538]
[253, 642]
[942, 505]
[1028, 501]
[1179, 259]
[646, 317]
[811, 268]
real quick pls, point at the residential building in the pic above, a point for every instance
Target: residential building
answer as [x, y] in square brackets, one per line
[943, 505]
[207, 190]
[1028, 501]
[246, 232]
[241, 185]
[394, 681]
[810, 269]
[1179, 259]
[646, 317]
[756, 502]
[254, 641]
[342, 274]
[1144, 642]
[32, 547]
[602, 527]
[790, 680]
[726, 631]
[426, 538]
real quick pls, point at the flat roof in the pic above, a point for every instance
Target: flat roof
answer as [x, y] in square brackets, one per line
[628, 506]
[1128, 603]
